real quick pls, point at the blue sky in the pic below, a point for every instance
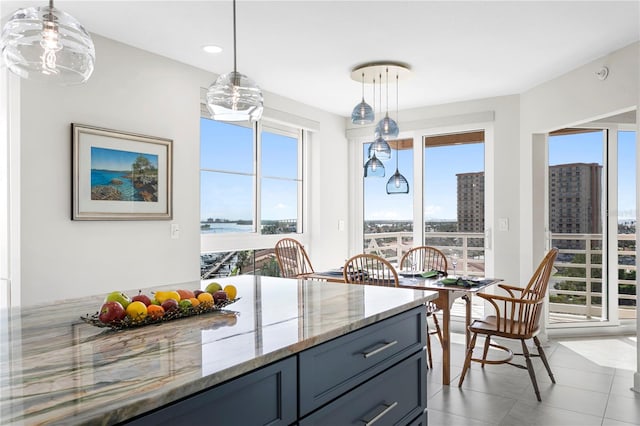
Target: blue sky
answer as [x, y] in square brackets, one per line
[229, 147]
[113, 159]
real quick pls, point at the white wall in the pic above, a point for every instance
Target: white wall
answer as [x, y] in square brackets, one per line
[135, 91]
[573, 98]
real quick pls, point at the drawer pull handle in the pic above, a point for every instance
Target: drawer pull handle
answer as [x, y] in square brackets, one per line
[380, 349]
[381, 414]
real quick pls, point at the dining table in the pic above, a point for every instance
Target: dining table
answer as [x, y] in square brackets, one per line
[449, 289]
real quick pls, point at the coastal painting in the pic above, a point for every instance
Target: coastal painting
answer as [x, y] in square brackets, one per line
[123, 175]
[120, 176]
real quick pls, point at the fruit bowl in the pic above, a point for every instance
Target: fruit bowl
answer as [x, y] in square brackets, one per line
[168, 316]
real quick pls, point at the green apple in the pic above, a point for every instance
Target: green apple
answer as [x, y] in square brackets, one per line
[118, 296]
[213, 287]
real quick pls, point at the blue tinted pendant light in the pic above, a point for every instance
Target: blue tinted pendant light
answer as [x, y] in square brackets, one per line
[373, 167]
[362, 113]
[397, 183]
[234, 96]
[387, 127]
[379, 146]
[45, 43]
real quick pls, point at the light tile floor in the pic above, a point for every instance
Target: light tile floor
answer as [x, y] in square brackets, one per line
[593, 381]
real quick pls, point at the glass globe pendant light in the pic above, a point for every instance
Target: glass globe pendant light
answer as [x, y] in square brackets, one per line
[374, 167]
[362, 113]
[379, 146]
[234, 96]
[387, 127]
[45, 43]
[397, 184]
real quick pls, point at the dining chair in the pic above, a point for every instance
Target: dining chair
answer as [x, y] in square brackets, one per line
[292, 259]
[426, 258]
[517, 317]
[370, 269]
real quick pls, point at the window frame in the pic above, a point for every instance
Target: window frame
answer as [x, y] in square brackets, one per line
[255, 240]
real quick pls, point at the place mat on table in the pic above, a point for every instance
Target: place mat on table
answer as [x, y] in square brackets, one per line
[333, 272]
[468, 282]
[427, 274]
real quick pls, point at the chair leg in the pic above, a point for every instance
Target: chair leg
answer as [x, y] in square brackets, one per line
[544, 358]
[437, 326]
[532, 373]
[485, 351]
[429, 360]
[467, 360]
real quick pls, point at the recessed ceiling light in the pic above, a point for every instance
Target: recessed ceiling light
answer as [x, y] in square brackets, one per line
[210, 48]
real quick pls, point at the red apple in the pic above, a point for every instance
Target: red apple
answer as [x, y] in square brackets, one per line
[220, 295]
[111, 311]
[169, 305]
[141, 298]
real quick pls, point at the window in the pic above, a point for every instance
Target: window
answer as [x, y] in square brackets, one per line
[250, 178]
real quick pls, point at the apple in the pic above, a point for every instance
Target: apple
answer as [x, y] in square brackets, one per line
[220, 295]
[111, 311]
[169, 305]
[213, 287]
[141, 298]
[118, 296]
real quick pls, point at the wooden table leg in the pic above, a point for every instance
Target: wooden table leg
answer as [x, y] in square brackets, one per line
[446, 337]
[467, 334]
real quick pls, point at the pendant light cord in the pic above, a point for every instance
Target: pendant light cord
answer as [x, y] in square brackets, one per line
[51, 4]
[363, 86]
[387, 91]
[234, 37]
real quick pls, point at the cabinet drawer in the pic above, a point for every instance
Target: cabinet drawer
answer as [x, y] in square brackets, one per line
[395, 397]
[264, 397]
[332, 369]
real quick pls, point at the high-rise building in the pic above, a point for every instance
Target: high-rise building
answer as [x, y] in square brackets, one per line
[575, 195]
[470, 202]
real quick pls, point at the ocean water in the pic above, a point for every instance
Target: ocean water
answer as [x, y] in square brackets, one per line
[104, 177]
[217, 228]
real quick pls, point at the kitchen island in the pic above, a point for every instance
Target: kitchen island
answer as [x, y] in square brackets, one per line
[58, 369]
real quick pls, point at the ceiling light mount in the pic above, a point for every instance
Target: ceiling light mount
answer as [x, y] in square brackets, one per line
[372, 70]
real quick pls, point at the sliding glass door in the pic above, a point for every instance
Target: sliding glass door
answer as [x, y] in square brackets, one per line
[592, 220]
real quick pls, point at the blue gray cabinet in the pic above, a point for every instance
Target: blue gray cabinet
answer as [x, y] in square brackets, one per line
[373, 375]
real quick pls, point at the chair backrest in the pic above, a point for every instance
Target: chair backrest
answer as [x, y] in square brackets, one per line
[370, 269]
[522, 315]
[292, 258]
[424, 258]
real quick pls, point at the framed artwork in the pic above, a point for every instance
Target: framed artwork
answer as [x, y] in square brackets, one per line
[120, 176]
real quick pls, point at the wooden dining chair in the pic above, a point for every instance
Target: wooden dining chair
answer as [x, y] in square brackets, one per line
[517, 317]
[370, 269]
[292, 259]
[425, 258]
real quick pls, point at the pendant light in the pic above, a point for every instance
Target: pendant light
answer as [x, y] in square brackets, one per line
[45, 43]
[362, 113]
[397, 183]
[234, 96]
[374, 167]
[387, 127]
[380, 146]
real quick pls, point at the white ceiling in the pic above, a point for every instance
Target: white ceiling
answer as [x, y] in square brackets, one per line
[305, 50]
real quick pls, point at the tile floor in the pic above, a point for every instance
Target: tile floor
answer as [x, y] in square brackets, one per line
[593, 381]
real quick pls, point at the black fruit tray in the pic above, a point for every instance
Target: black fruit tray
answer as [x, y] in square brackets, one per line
[168, 316]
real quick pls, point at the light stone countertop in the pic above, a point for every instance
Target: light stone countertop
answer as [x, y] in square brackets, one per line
[57, 369]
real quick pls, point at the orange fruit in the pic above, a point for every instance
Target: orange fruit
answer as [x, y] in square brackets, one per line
[155, 311]
[185, 294]
[194, 302]
[231, 291]
[206, 299]
[137, 311]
